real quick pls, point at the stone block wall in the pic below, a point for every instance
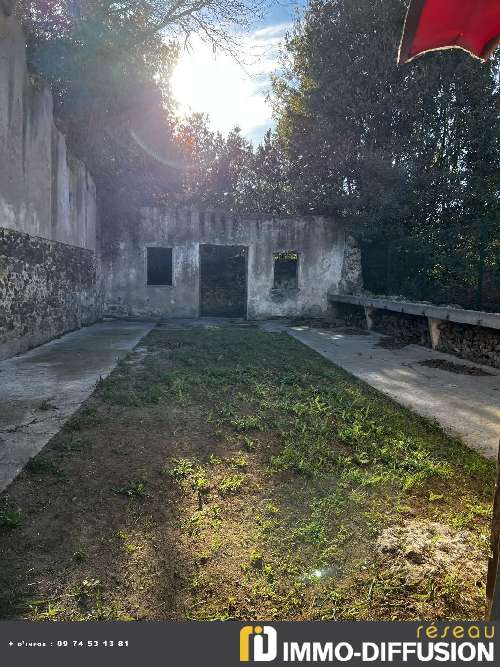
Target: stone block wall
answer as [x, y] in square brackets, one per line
[410, 329]
[435, 327]
[474, 343]
[478, 344]
[46, 288]
[351, 280]
[353, 316]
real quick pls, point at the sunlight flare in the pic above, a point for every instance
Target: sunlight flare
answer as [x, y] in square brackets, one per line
[232, 91]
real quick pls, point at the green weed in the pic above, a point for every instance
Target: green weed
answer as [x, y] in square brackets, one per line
[246, 423]
[83, 419]
[179, 468]
[230, 485]
[44, 611]
[199, 481]
[40, 466]
[73, 445]
[10, 518]
[249, 445]
[239, 461]
[134, 489]
[128, 545]
[468, 515]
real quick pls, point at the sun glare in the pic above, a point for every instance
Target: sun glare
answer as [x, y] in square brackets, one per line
[230, 93]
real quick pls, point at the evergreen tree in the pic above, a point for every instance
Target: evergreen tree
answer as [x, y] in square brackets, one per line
[407, 154]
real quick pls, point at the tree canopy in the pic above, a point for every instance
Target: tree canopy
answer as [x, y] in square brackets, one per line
[407, 156]
[109, 65]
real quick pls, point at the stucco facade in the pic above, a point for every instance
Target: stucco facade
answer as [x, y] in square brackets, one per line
[318, 242]
[44, 191]
[48, 211]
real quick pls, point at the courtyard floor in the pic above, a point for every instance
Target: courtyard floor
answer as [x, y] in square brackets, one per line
[224, 472]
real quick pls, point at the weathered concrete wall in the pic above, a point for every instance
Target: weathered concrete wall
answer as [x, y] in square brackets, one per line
[43, 191]
[48, 213]
[320, 243]
[46, 288]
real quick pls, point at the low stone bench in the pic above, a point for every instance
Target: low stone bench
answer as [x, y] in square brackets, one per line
[486, 338]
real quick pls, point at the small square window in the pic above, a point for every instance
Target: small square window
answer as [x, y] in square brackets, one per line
[286, 270]
[159, 266]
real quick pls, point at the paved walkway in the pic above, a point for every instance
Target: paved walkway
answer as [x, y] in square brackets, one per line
[466, 406]
[39, 390]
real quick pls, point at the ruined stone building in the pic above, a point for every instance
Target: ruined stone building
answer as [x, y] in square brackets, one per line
[56, 277]
[188, 263]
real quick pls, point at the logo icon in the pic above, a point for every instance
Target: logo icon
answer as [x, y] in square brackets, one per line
[264, 643]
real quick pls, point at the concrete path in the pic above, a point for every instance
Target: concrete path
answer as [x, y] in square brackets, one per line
[466, 406]
[39, 390]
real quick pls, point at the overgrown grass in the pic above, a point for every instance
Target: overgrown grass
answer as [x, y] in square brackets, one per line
[266, 478]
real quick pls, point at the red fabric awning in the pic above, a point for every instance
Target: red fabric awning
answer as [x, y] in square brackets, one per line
[473, 25]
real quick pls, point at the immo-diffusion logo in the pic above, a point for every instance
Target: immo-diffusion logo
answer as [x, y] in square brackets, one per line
[258, 643]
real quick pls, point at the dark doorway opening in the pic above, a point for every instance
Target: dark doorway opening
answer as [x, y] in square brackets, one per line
[223, 281]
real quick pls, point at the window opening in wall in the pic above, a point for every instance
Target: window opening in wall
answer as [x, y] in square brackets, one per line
[286, 265]
[159, 266]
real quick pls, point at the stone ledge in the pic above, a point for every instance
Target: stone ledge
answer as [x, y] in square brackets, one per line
[443, 313]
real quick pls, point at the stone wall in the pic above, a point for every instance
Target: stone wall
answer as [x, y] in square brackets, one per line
[319, 242]
[474, 343]
[353, 316]
[46, 288]
[478, 344]
[351, 280]
[48, 211]
[409, 329]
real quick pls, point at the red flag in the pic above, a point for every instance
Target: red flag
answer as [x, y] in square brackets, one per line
[473, 25]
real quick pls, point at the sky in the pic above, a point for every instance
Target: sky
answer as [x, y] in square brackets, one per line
[232, 92]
